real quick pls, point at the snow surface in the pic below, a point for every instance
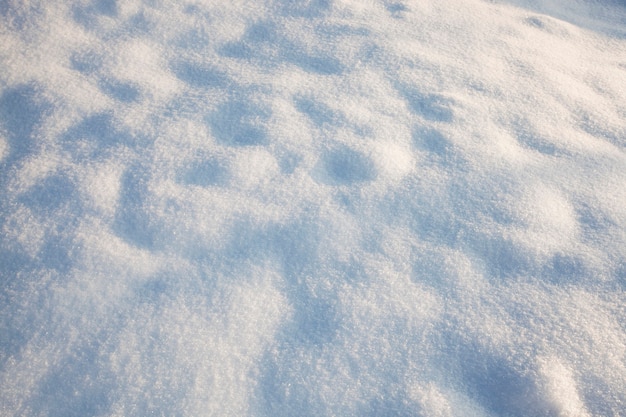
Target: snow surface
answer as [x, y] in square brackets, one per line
[323, 207]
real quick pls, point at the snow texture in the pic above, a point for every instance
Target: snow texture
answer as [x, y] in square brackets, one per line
[313, 208]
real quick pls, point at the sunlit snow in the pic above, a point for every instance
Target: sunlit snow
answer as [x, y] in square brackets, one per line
[313, 208]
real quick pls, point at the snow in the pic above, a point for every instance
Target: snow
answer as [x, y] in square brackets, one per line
[328, 208]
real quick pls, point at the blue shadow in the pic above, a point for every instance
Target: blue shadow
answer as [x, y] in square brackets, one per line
[197, 75]
[306, 9]
[432, 141]
[21, 111]
[132, 222]
[87, 14]
[238, 122]
[98, 135]
[119, 90]
[263, 42]
[78, 386]
[344, 166]
[431, 107]
[320, 114]
[206, 173]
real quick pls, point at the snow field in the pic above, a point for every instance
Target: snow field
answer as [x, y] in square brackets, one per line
[320, 208]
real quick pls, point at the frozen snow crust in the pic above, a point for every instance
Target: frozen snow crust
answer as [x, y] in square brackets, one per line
[324, 208]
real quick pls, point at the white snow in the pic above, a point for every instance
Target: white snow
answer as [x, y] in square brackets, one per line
[324, 208]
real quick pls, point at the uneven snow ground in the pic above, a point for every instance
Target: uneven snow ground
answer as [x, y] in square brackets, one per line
[324, 208]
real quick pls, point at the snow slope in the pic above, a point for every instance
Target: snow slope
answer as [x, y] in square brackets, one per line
[325, 208]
